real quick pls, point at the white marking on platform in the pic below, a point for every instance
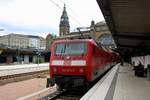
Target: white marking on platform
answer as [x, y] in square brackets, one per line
[33, 94]
[100, 89]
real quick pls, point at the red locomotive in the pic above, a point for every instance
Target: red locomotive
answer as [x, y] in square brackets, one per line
[78, 62]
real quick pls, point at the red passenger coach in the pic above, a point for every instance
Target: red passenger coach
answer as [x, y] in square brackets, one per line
[78, 62]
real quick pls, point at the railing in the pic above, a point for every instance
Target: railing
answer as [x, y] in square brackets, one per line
[104, 88]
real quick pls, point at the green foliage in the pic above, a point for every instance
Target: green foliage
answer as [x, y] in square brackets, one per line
[53, 36]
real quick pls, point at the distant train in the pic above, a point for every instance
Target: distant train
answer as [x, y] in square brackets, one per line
[78, 62]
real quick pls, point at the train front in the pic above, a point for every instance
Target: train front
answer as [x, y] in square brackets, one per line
[68, 63]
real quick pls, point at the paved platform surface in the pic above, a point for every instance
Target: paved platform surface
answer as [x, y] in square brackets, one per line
[13, 91]
[130, 87]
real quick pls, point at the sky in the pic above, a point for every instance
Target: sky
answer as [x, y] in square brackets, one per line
[41, 17]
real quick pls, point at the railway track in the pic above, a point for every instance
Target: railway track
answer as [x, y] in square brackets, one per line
[64, 95]
[22, 76]
[75, 94]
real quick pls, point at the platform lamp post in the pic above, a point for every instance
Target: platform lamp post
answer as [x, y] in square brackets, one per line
[18, 55]
[38, 55]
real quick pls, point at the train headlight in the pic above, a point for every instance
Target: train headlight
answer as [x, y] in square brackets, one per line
[57, 62]
[78, 63]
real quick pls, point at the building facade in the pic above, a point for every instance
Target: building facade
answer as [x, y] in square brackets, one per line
[16, 48]
[14, 40]
[99, 29]
[49, 40]
[23, 41]
[64, 27]
[42, 43]
[103, 34]
[99, 32]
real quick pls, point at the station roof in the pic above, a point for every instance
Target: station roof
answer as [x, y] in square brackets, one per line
[128, 21]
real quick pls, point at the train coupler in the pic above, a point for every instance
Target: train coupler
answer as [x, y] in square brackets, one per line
[50, 82]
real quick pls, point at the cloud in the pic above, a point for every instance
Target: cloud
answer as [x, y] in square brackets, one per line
[30, 13]
[43, 14]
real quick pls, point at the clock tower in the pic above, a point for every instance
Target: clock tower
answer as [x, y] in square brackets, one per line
[64, 27]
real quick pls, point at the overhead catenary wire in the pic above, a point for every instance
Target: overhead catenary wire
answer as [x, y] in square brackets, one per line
[70, 8]
[56, 4]
[73, 12]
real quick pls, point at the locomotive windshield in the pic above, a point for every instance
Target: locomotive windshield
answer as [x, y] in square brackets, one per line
[70, 49]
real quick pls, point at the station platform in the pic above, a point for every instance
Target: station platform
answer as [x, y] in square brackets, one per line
[130, 87]
[119, 83]
[7, 70]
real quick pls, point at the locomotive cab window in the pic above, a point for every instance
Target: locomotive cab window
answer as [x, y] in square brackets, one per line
[59, 49]
[70, 48]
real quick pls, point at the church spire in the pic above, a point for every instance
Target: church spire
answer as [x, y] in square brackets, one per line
[64, 26]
